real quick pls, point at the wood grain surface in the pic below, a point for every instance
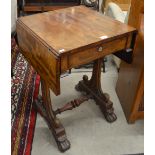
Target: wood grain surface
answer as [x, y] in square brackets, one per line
[72, 28]
[130, 84]
[40, 57]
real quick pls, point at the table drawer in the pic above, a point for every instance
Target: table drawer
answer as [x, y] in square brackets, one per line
[88, 55]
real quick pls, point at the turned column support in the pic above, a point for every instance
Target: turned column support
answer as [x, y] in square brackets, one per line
[72, 104]
[93, 88]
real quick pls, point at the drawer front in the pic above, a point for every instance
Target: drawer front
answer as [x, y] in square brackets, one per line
[86, 56]
[40, 57]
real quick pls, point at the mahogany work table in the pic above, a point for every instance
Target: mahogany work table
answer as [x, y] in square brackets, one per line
[56, 41]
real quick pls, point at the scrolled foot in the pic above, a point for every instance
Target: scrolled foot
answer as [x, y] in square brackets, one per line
[107, 108]
[63, 145]
[111, 117]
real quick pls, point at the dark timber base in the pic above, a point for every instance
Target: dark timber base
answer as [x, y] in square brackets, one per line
[93, 88]
[44, 107]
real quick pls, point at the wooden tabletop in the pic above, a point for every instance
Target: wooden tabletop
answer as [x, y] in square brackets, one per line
[68, 29]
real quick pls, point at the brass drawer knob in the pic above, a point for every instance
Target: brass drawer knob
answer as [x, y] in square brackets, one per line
[100, 49]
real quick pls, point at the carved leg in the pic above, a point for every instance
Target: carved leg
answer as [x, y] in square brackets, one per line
[93, 87]
[44, 106]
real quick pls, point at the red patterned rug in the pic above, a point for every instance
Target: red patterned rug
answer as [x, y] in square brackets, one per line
[24, 89]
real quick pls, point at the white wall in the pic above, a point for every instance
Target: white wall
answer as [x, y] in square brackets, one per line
[13, 14]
